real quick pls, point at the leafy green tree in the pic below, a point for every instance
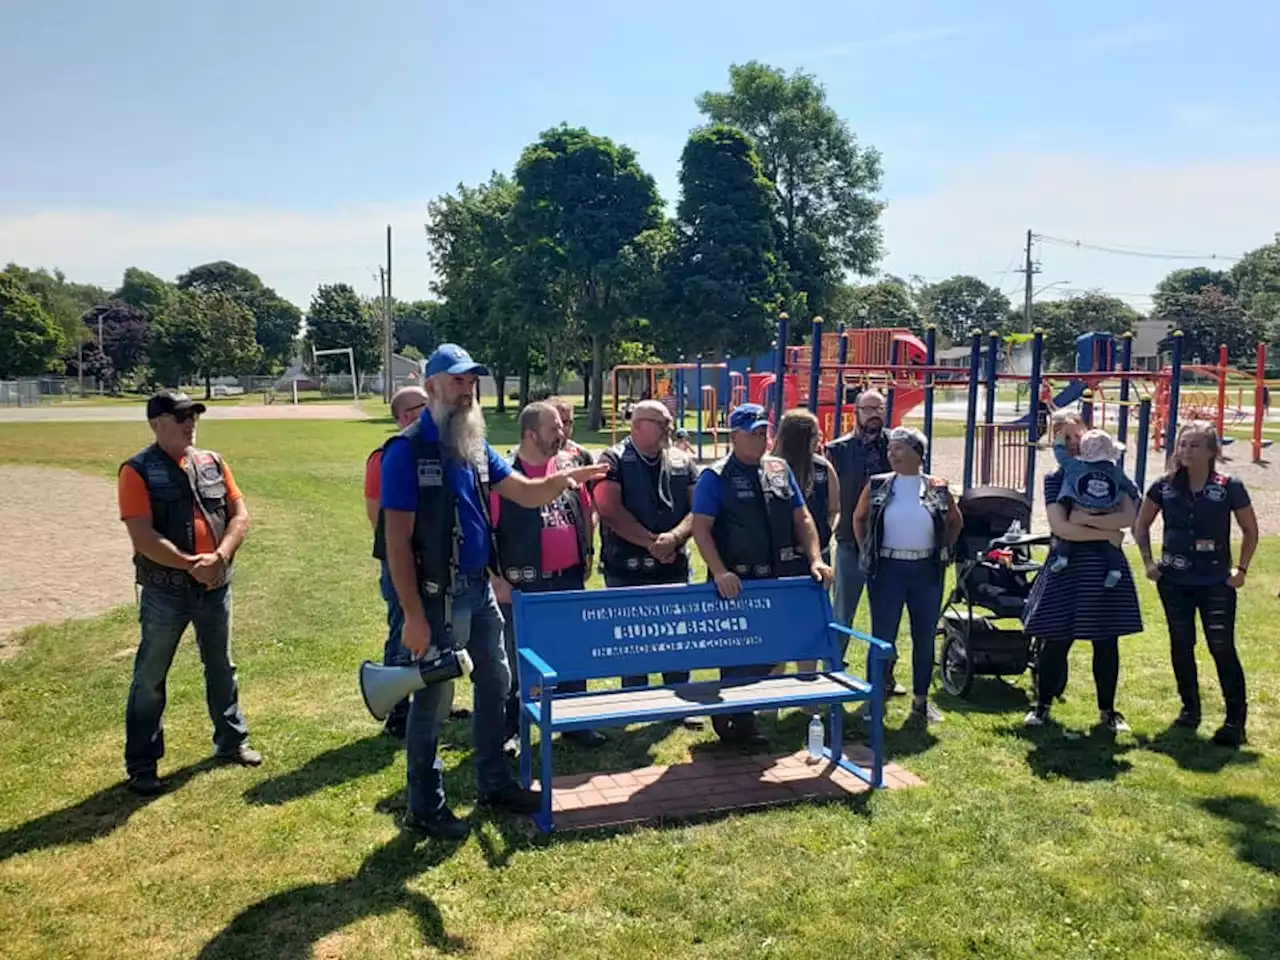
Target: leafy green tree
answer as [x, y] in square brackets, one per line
[64, 302]
[277, 321]
[415, 326]
[1064, 320]
[725, 283]
[338, 318]
[825, 182]
[30, 341]
[1208, 319]
[886, 303]
[1194, 279]
[589, 201]
[1257, 278]
[232, 346]
[180, 335]
[468, 236]
[959, 305]
[143, 291]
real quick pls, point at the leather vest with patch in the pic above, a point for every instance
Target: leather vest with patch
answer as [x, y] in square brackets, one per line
[1197, 530]
[934, 497]
[173, 492]
[519, 530]
[755, 528]
[625, 559]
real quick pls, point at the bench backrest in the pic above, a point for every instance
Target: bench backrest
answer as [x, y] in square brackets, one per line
[588, 634]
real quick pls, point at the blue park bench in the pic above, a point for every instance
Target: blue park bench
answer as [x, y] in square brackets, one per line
[596, 634]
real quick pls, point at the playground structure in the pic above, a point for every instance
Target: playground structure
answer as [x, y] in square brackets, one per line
[826, 375]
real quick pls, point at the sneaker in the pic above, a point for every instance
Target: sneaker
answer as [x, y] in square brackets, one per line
[244, 755]
[1187, 719]
[513, 799]
[897, 690]
[144, 784]
[1113, 721]
[442, 825]
[511, 746]
[1037, 717]
[1230, 735]
[927, 712]
[692, 723]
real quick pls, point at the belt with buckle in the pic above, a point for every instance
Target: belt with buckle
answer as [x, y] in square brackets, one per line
[892, 554]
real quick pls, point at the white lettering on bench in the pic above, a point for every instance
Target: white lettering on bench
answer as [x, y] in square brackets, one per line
[678, 646]
[649, 611]
[638, 631]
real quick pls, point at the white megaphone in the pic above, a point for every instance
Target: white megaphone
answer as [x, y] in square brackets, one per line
[384, 687]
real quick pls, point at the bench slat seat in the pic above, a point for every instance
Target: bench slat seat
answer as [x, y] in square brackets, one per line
[652, 704]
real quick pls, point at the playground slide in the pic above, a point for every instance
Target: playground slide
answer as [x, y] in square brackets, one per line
[904, 401]
[1074, 390]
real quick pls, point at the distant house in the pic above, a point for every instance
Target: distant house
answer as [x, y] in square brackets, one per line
[958, 356]
[1147, 353]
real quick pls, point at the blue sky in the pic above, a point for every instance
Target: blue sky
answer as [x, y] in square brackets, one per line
[163, 134]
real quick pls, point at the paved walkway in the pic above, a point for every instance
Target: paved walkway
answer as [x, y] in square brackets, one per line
[716, 781]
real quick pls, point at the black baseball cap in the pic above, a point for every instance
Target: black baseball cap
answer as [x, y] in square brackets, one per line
[172, 401]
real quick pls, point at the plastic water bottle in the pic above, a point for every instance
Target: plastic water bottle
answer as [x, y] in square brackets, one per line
[817, 739]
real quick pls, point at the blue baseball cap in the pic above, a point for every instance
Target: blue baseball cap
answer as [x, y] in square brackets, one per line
[452, 359]
[749, 416]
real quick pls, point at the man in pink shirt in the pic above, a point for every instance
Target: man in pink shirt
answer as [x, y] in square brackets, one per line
[542, 549]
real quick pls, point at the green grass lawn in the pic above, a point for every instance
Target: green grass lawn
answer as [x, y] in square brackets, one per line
[1022, 844]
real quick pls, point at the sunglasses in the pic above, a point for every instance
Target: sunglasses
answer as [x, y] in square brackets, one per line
[182, 416]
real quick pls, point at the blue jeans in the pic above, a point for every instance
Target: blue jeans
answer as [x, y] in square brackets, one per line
[164, 617]
[917, 585]
[849, 583]
[477, 627]
[393, 652]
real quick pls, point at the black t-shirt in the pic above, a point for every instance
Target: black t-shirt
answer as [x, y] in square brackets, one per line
[1200, 521]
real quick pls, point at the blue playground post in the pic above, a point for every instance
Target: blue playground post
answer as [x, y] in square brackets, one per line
[1175, 392]
[891, 391]
[1086, 408]
[930, 357]
[815, 364]
[1126, 366]
[989, 418]
[698, 371]
[843, 355]
[680, 392]
[1033, 410]
[1144, 436]
[779, 368]
[971, 408]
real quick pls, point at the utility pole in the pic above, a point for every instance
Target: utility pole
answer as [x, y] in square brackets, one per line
[1030, 269]
[388, 386]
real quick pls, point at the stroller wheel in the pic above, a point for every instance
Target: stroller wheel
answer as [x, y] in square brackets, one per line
[957, 665]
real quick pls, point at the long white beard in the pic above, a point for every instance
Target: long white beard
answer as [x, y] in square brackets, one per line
[461, 430]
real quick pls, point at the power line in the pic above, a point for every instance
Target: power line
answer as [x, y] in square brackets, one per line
[1134, 251]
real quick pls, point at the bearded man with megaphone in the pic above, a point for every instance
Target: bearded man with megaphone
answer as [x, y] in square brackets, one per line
[436, 535]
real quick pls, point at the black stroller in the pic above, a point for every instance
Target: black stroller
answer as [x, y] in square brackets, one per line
[994, 573]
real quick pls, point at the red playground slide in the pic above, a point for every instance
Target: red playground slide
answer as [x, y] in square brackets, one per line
[911, 352]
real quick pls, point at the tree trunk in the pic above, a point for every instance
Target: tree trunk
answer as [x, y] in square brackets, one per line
[553, 367]
[596, 419]
[586, 391]
[500, 385]
[208, 387]
[524, 382]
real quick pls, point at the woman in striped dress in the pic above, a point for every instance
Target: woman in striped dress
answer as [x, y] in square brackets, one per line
[1071, 604]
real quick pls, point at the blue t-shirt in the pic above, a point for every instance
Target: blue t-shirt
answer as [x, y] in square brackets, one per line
[708, 494]
[400, 491]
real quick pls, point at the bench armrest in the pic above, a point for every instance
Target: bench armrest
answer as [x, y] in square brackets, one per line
[537, 664]
[864, 637]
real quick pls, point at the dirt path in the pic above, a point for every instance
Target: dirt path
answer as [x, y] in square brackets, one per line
[63, 551]
[136, 412]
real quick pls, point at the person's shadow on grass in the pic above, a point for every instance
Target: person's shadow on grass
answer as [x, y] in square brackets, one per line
[1190, 752]
[287, 925]
[1250, 934]
[1257, 829]
[95, 816]
[351, 761]
[1094, 756]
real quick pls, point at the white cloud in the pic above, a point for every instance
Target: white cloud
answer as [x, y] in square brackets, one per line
[1124, 38]
[976, 220]
[973, 219]
[293, 251]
